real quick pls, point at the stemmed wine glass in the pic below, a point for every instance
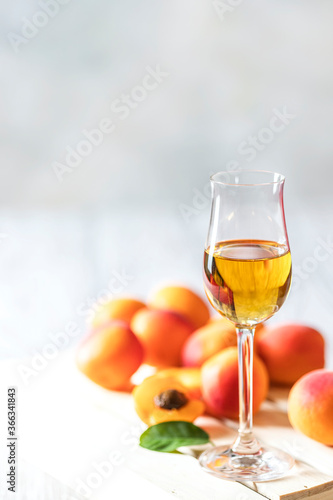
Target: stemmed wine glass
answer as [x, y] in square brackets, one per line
[247, 276]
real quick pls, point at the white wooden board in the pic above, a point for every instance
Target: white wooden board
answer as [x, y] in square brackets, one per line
[86, 438]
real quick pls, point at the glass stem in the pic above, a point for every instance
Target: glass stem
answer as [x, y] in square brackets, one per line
[245, 444]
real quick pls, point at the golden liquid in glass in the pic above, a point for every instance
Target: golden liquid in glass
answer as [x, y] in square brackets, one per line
[247, 281]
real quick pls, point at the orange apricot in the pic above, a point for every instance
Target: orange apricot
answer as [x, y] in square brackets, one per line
[163, 399]
[290, 350]
[162, 334]
[219, 318]
[110, 355]
[183, 301]
[220, 383]
[207, 341]
[310, 406]
[259, 331]
[190, 378]
[122, 309]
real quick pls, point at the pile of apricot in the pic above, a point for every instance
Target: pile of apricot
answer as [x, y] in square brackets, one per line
[195, 360]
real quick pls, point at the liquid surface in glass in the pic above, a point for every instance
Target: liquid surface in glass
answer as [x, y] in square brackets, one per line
[247, 281]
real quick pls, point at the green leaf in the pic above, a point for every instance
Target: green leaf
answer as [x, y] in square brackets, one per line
[168, 436]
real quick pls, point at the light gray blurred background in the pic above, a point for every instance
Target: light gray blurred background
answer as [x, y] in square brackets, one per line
[137, 204]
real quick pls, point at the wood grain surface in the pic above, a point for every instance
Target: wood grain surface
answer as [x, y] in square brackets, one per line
[53, 266]
[86, 439]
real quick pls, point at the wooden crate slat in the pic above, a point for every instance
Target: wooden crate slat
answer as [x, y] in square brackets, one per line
[303, 481]
[94, 409]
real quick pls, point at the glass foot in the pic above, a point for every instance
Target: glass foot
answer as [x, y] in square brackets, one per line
[269, 463]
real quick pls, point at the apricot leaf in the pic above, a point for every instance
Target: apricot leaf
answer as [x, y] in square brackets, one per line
[168, 436]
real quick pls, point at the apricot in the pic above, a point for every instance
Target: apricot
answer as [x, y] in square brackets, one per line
[219, 318]
[183, 301]
[220, 383]
[207, 341]
[290, 350]
[162, 399]
[190, 378]
[226, 321]
[162, 333]
[110, 355]
[310, 406]
[259, 331]
[122, 309]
